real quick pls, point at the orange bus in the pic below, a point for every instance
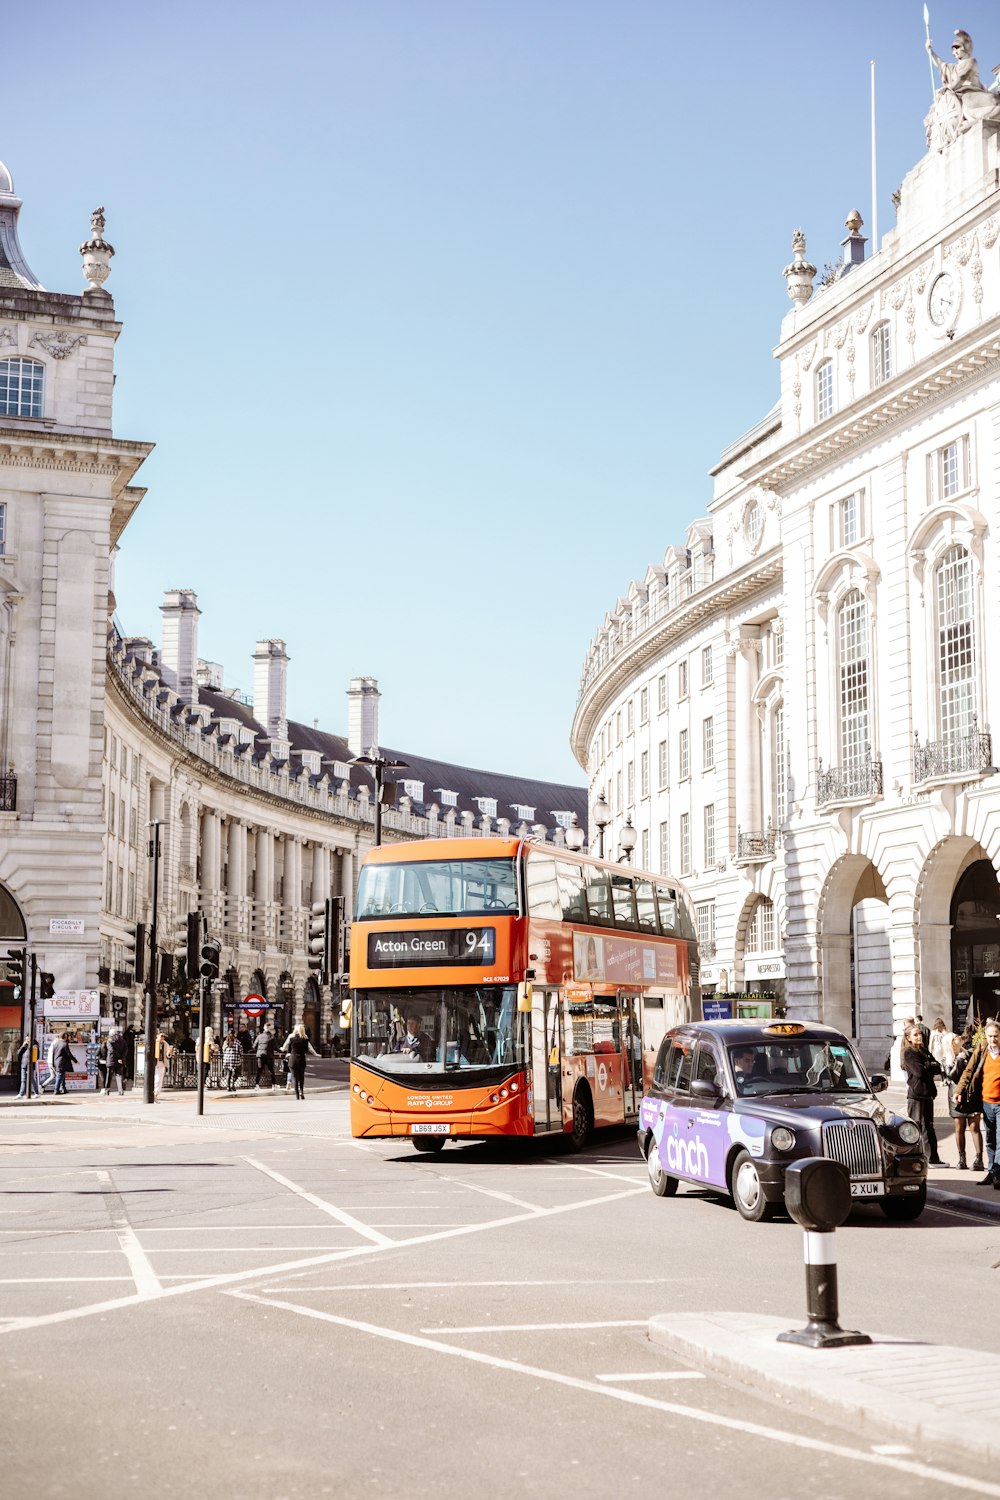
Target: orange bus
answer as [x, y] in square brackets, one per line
[505, 987]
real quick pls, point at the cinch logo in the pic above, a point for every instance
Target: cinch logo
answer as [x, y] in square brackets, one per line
[690, 1158]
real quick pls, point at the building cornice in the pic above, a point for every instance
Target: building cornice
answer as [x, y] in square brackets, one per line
[725, 594]
[64, 452]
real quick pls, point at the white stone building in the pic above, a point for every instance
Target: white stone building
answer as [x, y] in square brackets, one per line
[101, 736]
[794, 710]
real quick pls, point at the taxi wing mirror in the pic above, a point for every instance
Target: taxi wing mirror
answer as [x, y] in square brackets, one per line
[524, 993]
[704, 1088]
[878, 1082]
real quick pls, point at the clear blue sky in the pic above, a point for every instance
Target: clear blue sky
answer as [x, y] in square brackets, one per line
[438, 311]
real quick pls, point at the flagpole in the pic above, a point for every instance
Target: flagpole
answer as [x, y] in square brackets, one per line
[874, 178]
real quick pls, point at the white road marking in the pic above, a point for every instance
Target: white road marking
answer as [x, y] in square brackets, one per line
[56, 1280]
[145, 1278]
[660, 1375]
[540, 1327]
[301, 1267]
[494, 1193]
[409, 1286]
[328, 1208]
[636, 1398]
[890, 1448]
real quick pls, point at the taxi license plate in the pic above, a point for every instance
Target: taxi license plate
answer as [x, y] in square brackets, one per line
[867, 1189]
[430, 1128]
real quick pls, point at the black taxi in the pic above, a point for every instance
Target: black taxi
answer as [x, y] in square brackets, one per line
[732, 1103]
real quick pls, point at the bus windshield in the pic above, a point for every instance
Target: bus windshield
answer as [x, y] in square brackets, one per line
[435, 1029]
[445, 887]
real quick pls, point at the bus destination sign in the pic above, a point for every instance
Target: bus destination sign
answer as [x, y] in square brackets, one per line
[432, 948]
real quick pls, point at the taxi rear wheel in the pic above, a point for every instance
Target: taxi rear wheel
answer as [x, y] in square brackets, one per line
[428, 1143]
[663, 1185]
[905, 1210]
[747, 1189]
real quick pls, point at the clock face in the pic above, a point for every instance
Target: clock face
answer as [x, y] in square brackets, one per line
[942, 300]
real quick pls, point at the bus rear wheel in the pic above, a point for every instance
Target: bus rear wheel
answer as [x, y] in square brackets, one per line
[428, 1142]
[583, 1118]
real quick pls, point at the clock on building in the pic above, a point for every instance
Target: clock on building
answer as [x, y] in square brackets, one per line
[942, 300]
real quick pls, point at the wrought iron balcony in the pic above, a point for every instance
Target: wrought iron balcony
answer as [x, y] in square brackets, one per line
[957, 755]
[124, 978]
[859, 782]
[707, 948]
[8, 792]
[755, 848]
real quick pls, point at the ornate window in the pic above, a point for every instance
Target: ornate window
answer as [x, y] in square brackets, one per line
[824, 391]
[664, 848]
[779, 765]
[949, 471]
[683, 755]
[753, 525]
[664, 765]
[881, 354]
[855, 723]
[644, 774]
[707, 669]
[709, 832]
[956, 644]
[661, 694]
[685, 843]
[708, 743]
[21, 383]
[760, 928]
[849, 520]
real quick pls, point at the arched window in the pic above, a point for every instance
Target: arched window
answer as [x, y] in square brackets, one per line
[824, 391]
[779, 765]
[881, 354]
[956, 644]
[21, 387]
[760, 928]
[852, 638]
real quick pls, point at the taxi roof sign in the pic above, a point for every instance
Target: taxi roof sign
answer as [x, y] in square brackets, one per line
[784, 1028]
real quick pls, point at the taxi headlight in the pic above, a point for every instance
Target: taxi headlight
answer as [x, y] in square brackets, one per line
[782, 1139]
[909, 1133]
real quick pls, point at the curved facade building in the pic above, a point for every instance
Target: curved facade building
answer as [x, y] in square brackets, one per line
[794, 708]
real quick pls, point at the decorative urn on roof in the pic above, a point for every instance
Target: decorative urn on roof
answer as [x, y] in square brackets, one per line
[97, 255]
[799, 273]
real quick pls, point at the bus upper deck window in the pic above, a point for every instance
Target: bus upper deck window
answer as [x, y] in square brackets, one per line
[624, 902]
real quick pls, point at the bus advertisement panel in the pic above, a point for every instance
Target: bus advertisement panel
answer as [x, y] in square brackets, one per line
[502, 987]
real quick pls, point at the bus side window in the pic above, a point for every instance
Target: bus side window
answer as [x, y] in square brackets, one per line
[624, 902]
[572, 900]
[599, 899]
[645, 902]
[667, 902]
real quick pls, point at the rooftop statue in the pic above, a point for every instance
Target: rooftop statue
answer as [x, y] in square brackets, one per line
[961, 100]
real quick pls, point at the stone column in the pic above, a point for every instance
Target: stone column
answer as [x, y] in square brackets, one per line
[347, 883]
[747, 653]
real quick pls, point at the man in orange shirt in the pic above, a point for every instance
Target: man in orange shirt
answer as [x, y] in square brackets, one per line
[981, 1083]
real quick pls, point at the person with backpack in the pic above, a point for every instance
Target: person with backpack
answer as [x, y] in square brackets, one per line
[298, 1047]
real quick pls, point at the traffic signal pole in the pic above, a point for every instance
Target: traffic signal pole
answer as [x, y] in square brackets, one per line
[31, 1021]
[150, 1069]
[201, 1046]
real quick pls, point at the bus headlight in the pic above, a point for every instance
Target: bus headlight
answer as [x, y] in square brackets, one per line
[782, 1139]
[908, 1133]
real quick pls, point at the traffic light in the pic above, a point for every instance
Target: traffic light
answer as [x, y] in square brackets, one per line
[17, 959]
[47, 984]
[134, 946]
[210, 959]
[187, 943]
[320, 945]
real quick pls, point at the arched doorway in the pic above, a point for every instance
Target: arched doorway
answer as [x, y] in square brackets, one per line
[13, 934]
[975, 945]
[311, 1011]
[855, 956]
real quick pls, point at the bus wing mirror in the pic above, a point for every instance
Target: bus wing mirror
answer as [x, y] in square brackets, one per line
[524, 993]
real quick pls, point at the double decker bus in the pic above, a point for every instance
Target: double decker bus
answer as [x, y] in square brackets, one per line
[506, 987]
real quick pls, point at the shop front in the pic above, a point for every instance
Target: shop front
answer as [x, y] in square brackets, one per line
[72, 1016]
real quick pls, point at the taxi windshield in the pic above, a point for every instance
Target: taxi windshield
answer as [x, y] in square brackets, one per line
[796, 1067]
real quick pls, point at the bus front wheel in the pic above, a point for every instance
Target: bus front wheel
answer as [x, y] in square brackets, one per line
[583, 1118]
[428, 1142]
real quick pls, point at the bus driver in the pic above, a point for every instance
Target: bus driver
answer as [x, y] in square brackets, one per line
[416, 1043]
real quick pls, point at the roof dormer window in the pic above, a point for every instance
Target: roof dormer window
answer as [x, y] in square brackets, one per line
[526, 814]
[487, 806]
[448, 799]
[414, 790]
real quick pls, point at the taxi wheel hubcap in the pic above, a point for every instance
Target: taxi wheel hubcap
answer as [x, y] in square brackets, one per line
[653, 1164]
[748, 1184]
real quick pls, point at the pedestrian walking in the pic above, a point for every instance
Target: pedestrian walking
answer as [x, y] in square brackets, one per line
[50, 1067]
[940, 1047]
[965, 1118]
[921, 1069]
[162, 1053]
[244, 1038]
[232, 1061]
[264, 1049]
[27, 1058]
[102, 1063]
[297, 1048]
[209, 1050]
[980, 1084]
[63, 1062]
[117, 1053]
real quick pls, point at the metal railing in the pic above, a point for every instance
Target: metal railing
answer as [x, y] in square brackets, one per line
[854, 783]
[755, 848]
[956, 755]
[8, 792]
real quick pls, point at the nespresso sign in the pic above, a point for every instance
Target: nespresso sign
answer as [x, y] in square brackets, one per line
[432, 947]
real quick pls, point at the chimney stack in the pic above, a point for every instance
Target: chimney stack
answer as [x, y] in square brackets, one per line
[270, 682]
[179, 652]
[362, 715]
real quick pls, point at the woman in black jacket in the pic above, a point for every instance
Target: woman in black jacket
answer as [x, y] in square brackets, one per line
[920, 1069]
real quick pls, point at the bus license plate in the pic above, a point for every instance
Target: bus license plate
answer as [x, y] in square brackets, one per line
[430, 1128]
[867, 1189]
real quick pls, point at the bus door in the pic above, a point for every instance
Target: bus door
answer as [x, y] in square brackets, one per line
[546, 1060]
[631, 1053]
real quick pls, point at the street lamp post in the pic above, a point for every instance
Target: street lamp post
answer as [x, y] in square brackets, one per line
[626, 842]
[149, 1079]
[575, 837]
[378, 765]
[602, 817]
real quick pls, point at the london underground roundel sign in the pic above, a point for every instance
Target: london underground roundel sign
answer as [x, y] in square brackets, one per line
[254, 1005]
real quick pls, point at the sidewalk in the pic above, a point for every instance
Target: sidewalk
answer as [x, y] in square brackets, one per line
[923, 1392]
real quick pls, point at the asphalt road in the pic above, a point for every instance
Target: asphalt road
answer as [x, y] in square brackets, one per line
[258, 1305]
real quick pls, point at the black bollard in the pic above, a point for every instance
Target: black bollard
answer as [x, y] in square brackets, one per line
[818, 1196]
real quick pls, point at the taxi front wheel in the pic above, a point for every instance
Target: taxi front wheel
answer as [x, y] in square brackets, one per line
[663, 1185]
[747, 1189]
[905, 1210]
